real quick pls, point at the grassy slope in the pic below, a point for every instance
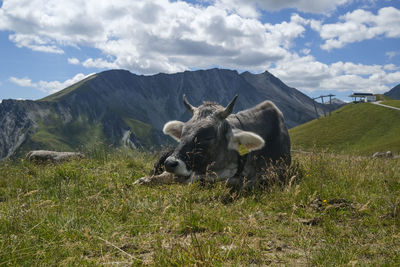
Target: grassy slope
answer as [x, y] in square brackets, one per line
[140, 129]
[73, 135]
[356, 128]
[81, 84]
[393, 103]
[344, 211]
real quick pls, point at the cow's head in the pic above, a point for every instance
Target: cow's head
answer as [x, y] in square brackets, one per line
[207, 141]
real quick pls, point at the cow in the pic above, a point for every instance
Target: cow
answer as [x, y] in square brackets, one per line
[216, 145]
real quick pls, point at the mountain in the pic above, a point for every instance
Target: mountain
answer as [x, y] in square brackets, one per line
[118, 108]
[362, 128]
[336, 101]
[394, 93]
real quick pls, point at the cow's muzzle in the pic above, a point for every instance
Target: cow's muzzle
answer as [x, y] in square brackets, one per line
[176, 166]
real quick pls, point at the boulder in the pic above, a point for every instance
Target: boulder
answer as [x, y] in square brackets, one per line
[387, 154]
[52, 156]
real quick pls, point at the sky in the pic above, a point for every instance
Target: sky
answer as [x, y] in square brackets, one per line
[318, 47]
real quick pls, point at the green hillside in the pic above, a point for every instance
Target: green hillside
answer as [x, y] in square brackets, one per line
[393, 103]
[355, 128]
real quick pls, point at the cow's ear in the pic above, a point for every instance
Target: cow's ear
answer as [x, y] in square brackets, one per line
[174, 129]
[240, 140]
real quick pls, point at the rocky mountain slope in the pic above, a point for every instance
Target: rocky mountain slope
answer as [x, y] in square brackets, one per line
[118, 108]
[394, 93]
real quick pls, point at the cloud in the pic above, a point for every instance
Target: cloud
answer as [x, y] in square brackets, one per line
[307, 73]
[49, 87]
[24, 82]
[390, 67]
[149, 36]
[392, 54]
[94, 63]
[35, 43]
[249, 8]
[73, 61]
[99, 63]
[359, 25]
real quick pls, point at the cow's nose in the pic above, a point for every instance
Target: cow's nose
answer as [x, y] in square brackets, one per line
[170, 164]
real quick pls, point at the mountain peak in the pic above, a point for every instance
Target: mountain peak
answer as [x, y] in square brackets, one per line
[394, 93]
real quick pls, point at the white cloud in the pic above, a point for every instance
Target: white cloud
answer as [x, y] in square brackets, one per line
[390, 67]
[249, 8]
[99, 63]
[285, 32]
[149, 36]
[360, 25]
[24, 82]
[392, 54]
[35, 43]
[49, 87]
[393, 77]
[310, 75]
[73, 61]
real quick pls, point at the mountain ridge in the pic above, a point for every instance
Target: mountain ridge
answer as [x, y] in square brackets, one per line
[394, 93]
[119, 108]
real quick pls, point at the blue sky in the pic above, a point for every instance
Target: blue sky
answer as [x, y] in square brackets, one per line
[318, 47]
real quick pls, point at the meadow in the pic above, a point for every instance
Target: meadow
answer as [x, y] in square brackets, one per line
[358, 129]
[335, 210]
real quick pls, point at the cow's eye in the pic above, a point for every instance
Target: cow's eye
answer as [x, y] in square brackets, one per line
[204, 141]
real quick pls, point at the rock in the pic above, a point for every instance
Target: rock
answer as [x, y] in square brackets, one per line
[51, 156]
[387, 154]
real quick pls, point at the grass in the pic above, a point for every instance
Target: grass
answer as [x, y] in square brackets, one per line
[340, 211]
[56, 135]
[142, 130]
[393, 103]
[361, 128]
[82, 85]
[381, 97]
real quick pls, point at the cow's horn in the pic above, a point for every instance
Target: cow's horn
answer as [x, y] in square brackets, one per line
[188, 106]
[229, 108]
